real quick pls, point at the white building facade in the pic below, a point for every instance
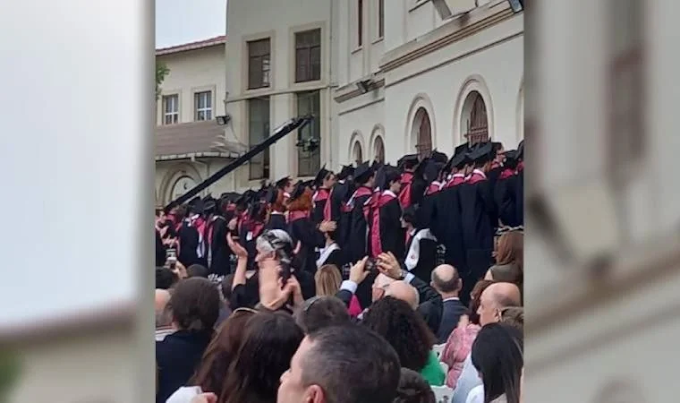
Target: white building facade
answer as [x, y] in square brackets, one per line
[432, 83]
[187, 133]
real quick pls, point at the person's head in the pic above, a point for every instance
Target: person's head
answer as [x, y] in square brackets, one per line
[393, 180]
[513, 316]
[195, 305]
[197, 270]
[380, 285]
[329, 180]
[320, 312]
[165, 278]
[163, 315]
[269, 343]
[214, 365]
[475, 296]
[404, 329]
[341, 364]
[497, 354]
[408, 218]
[413, 388]
[445, 280]
[511, 249]
[496, 297]
[404, 291]
[328, 280]
[508, 273]
[274, 244]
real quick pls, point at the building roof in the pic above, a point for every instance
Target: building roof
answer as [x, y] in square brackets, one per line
[187, 138]
[218, 40]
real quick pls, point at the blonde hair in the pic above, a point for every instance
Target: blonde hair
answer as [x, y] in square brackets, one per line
[328, 280]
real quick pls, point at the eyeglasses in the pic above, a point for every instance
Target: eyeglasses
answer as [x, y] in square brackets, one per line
[249, 310]
[309, 303]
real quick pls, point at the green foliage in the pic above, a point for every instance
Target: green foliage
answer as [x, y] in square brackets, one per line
[161, 71]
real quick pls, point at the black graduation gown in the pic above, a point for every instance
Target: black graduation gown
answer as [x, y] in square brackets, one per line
[505, 199]
[447, 226]
[277, 221]
[519, 196]
[356, 247]
[479, 219]
[160, 250]
[391, 233]
[305, 231]
[339, 196]
[188, 244]
[220, 262]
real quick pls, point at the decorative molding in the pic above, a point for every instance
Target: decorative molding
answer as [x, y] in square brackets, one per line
[350, 91]
[457, 29]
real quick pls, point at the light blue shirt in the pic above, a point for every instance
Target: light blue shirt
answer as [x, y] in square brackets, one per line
[468, 380]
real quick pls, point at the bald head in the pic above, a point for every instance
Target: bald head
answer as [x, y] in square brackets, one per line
[445, 280]
[405, 292]
[496, 297]
[161, 302]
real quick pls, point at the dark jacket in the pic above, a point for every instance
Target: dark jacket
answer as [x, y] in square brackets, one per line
[451, 313]
[177, 358]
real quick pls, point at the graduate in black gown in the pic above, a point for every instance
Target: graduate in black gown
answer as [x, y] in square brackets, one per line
[339, 213]
[358, 206]
[386, 233]
[447, 224]
[519, 191]
[323, 183]
[305, 234]
[216, 240]
[505, 191]
[189, 239]
[277, 208]
[407, 165]
[479, 217]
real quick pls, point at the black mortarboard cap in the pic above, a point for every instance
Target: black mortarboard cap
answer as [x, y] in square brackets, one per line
[320, 176]
[210, 206]
[511, 158]
[483, 152]
[281, 183]
[462, 149]
[408, 161]
[459, 160]
[362, 172]
[385, 175]
[439, 157]
[346, 171]
[272, 194]
[198, 207]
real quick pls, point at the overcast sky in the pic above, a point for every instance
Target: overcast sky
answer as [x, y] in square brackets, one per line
[182, 21]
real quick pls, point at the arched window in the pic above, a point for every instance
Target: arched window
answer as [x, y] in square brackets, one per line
[474, 115]
[424, 130]
[357, 153]
[379, 150]
[182, 185]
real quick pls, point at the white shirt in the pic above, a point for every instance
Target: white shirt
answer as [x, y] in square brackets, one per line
[476, 395]
[468, 380]
[184, 394]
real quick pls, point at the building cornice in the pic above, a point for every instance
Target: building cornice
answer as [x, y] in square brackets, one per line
[455, 30]
[192, 156]
[350, 91]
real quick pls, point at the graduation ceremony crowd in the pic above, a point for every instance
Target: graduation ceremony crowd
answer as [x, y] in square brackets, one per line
[376, 283]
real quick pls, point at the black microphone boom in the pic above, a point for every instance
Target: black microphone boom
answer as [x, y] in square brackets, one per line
[281, 132]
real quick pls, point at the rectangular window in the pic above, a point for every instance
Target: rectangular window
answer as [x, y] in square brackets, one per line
[381, 18]
[203, 105]
[258, 131]
[259, 64]
[170, 109]
[360, 23]
[309, 162]
[308, 56]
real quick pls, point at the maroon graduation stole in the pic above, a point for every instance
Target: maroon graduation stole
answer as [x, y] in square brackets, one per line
[376, 204]
[476, 177]
[433, 188]
[296, 215]
[405, 193]
[507, 172]
[455, 181]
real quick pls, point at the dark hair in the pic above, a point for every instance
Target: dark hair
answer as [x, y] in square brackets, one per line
[197, 270]
[413, 388]
[450, 285]
[195, 304]
[215, 363]
[320, 312]
[352, 365]
[404, 329]
[270, 342]
[497, 354]
[475, 296]
[165, 278]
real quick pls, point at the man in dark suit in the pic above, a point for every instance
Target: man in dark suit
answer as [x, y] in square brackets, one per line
[448, 284]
